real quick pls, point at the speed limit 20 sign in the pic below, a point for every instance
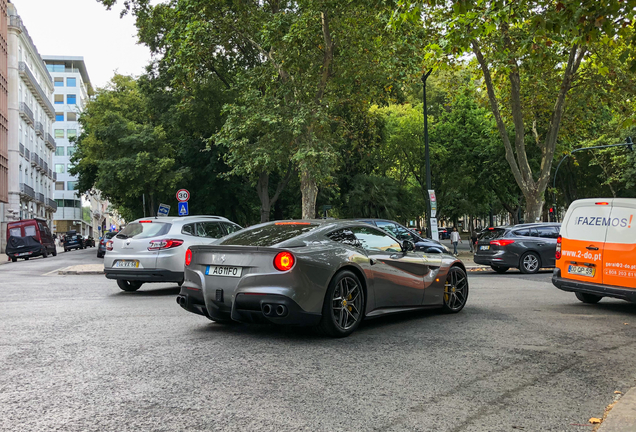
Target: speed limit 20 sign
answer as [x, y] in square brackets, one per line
[183, 195]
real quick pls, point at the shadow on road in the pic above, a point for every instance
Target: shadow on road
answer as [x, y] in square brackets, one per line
[150, 292]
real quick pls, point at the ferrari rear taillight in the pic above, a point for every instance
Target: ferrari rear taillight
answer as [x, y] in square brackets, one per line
[164, 244]
[284, 261]
[501, 242]
[188, 258]
[109, 245]
[557, 254]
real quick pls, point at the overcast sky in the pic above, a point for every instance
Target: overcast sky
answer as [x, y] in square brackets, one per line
[85, 28]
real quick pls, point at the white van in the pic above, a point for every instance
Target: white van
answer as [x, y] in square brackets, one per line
[596, 250]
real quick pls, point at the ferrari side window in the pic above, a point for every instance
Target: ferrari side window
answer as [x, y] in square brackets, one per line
[344, 236]
[375, 241]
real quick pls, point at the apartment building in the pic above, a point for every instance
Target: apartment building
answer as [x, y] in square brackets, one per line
[30, 119]
[4, 119]
[72, 89]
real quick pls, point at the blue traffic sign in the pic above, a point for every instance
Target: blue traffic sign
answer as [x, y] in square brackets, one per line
[183, 209]
[164, 209]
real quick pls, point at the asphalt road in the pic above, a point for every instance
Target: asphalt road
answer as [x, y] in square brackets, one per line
[78, 354]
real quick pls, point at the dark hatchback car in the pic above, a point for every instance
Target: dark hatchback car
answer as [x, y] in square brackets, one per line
[72, 240]
[528, 247]
[402, 233]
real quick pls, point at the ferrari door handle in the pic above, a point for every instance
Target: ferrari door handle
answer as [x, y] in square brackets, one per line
[591, 248]
[371, 261]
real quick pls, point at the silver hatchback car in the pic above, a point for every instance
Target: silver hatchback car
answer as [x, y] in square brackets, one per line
[153, 249]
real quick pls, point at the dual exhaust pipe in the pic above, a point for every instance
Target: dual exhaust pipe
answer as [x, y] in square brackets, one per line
[182, 300]
[274, 310]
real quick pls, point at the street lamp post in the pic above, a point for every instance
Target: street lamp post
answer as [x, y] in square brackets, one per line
[628, 142]
[427, 156]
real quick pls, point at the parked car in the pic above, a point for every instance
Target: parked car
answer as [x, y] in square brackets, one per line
[528, 247]
[72, 240]
[29, 238]
[596, 250]
[101, 247]
[153, 249]
[402, 233]
[444, 233]
[325, 273]
[89, 242]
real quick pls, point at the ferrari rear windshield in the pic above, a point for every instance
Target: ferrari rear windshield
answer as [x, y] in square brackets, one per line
[268, 235]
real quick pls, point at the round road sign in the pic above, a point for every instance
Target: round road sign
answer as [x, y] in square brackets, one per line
[183, 195]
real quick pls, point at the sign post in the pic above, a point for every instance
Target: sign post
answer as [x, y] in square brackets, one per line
[183, 196]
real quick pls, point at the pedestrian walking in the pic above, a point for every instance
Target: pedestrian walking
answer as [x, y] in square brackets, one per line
[473, 241]
[455, 238]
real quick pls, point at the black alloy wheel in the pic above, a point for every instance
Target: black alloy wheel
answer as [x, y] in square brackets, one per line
[530, 263]
[343, 308]
[500, 270]
[129, 286]
[54, 253]
[14, 260]
[588, 298]
[455, 290]
[45, 253]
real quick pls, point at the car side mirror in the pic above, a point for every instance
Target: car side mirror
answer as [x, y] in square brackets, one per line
[408, 246]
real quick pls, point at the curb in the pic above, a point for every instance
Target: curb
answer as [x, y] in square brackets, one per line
[622, 417]
[79, 272]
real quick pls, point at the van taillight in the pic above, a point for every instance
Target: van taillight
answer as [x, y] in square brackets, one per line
[557, 254]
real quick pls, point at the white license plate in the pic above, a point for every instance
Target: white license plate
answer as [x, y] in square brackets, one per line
[581, 270]
[25, 253]
[224, 271]
[126, 264]
[484, 247]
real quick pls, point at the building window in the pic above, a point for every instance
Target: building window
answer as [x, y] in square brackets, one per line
[59, 99]
[69, 203]
[70, 82]
[71, 185]
[59, 151]
[59, 82]
[71, 133]
[55, 67]
[70, 166]
[59, 133]
[59, 116]
[59, 186]
[70, 151]
[71, 116]
[71, 99]
[59, 168]
[59, 202]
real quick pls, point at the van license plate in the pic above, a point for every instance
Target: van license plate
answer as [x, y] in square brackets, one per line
[126, 264]
[581, 270]
[484, 247]
[224, 271]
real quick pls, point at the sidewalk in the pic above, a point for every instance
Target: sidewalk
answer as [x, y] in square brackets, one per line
[83, 269]
[622, 417]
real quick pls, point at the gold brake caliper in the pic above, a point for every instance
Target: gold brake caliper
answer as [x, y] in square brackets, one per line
[446, 290]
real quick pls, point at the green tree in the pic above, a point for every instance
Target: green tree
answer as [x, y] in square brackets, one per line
[121, 152]
[530, 54]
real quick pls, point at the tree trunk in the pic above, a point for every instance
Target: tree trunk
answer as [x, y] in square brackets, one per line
[262, 189]
[534, 207]
[309, 189]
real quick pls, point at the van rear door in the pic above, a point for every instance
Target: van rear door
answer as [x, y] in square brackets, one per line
[583, 235]
[619, 255]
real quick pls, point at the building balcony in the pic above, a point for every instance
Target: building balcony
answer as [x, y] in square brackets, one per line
[27, 192]
[54, 176]
[21, 149]
[45, 167]
[51, 204]
[37, 91]
[50, 141]
[50, 173]
[39, 197]
[27, 154]
[39, 129]
[26, 113]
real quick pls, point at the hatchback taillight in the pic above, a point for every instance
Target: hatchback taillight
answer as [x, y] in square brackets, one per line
[109, 245]
[164, 244]
[501, 242]
[557, 254]
[188, 259]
